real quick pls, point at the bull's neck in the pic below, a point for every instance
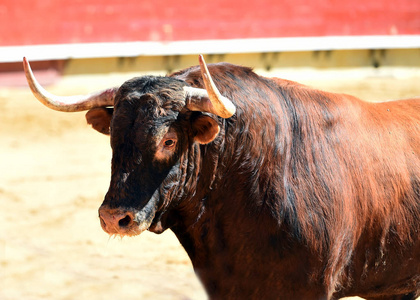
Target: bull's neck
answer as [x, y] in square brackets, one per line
[225, 193]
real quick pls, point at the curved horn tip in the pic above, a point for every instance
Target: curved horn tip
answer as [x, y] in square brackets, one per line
[223, 106]
[68, 103]
[25, 63]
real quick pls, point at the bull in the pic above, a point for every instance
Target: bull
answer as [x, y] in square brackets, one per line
[276, 190]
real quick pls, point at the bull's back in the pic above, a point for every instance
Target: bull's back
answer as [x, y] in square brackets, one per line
[403, 120]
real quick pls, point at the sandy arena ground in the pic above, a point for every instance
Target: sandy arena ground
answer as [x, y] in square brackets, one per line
[54, 173]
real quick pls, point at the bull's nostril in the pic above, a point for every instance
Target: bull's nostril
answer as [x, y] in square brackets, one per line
[124, 222]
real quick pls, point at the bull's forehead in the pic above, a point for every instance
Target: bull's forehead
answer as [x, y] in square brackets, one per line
[163, 89]
[145, 107]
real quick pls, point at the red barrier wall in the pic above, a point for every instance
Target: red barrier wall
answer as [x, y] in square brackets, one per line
[29, 22]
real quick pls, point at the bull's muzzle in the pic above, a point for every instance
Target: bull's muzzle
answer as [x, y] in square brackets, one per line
[128, 221]
[115, 221]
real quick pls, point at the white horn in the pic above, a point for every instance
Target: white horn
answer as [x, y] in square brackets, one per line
[68, 103]
[209, 99]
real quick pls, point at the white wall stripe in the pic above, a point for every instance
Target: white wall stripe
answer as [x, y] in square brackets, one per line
[133, 49]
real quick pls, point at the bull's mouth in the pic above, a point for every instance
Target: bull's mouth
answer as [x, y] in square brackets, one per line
[157, 225]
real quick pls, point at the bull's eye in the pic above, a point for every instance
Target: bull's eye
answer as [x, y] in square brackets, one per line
[166, 146]
[169, 143]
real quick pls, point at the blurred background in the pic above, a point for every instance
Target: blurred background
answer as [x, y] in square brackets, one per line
[55, 170]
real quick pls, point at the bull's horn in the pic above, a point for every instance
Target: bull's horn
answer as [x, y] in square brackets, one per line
[68, 103]
[209, 99]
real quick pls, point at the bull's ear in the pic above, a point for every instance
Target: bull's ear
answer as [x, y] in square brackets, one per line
[100, 119]
[205, 129]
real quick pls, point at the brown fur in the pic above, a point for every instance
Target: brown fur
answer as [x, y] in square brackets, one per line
[342, 174]
[303, 194]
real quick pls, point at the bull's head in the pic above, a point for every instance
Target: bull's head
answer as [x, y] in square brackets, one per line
[153, 122]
